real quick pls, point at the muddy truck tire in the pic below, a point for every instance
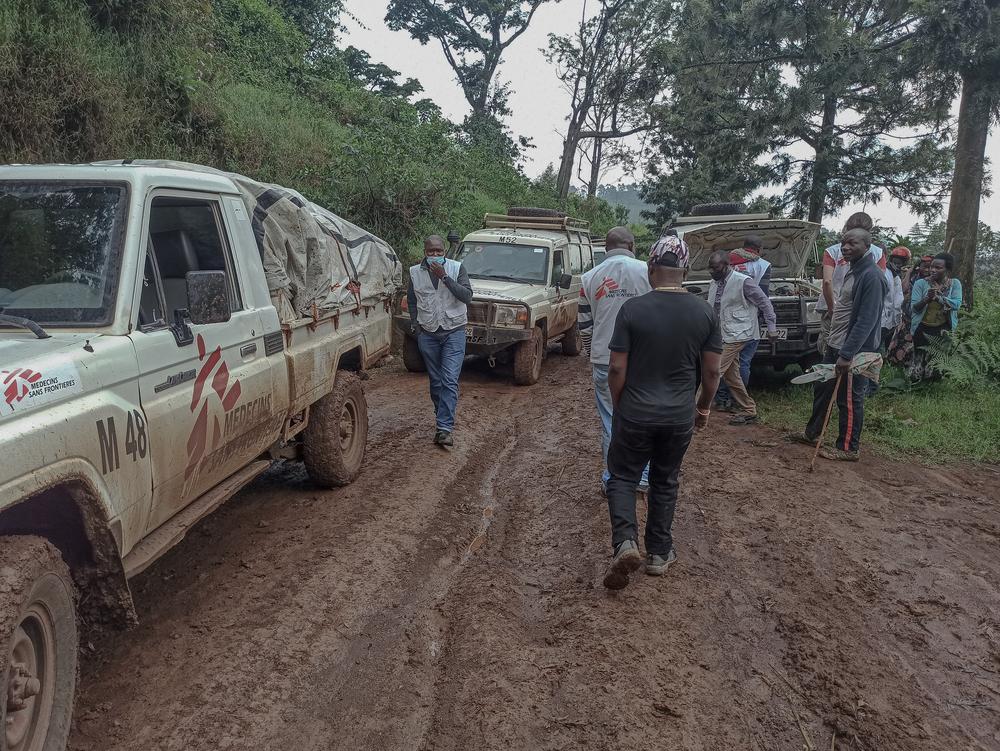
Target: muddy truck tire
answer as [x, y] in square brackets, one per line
[38, 646]
[572, 342]
[717, 209]
[334, 441]
[528, 359]
[413, 361]
[533, 211]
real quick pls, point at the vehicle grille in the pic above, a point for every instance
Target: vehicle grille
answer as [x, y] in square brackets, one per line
[787, 312]
[479, 313]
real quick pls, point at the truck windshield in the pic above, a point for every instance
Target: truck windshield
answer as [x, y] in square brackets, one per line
[59, 249]
[510, 263]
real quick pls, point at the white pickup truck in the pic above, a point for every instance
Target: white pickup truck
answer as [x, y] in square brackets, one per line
[166, 332]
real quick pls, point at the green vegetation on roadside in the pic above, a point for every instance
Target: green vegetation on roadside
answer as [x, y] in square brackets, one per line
[239, 85]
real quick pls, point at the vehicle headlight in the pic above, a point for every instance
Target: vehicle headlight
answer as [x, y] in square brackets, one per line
[513, 316]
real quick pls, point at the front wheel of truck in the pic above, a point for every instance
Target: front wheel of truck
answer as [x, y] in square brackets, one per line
[528, 359]
[38, 646]
[334, 440]
[413, 361]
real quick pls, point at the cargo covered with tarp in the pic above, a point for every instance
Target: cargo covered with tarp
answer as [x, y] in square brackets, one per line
[316, 262]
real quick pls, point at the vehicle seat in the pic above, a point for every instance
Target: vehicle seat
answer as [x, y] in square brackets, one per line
[175, 255]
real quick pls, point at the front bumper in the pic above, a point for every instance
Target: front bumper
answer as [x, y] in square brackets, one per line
[800, 346]
[479, 339]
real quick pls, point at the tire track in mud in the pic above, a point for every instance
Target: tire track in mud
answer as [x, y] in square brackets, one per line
[453, 600]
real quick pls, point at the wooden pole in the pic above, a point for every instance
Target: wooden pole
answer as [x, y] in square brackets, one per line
[826, 422]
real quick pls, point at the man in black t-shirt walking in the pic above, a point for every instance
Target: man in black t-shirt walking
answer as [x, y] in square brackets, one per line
[662, 341]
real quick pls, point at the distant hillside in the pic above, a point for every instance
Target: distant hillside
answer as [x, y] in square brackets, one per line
[626, 195]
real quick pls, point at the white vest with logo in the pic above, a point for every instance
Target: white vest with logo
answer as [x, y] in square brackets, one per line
[737, 315]
[438, 308]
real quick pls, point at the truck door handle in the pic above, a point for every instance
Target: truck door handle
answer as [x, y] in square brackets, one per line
[248, 349]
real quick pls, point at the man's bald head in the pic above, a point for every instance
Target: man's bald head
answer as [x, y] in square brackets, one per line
[859, 220]
[619, 238]
[434, 246]
[855, 243]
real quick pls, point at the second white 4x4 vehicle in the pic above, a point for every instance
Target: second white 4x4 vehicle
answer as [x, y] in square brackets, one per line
[525, 268]
[166, 331]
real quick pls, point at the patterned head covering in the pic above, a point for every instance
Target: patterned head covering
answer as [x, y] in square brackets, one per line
[673, 245]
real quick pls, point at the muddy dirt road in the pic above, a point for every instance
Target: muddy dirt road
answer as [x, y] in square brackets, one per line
[453, 601]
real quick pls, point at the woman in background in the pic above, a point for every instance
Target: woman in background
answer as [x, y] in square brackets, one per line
[934, 304]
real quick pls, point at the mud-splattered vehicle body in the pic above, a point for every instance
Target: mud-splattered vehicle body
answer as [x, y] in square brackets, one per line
[525, 269]
[149, 369]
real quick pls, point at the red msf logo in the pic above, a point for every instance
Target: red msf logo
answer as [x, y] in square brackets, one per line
[608, 285]
[18, 383]
[227, 394]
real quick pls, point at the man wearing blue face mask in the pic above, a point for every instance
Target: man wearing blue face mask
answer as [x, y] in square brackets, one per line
[437, 297]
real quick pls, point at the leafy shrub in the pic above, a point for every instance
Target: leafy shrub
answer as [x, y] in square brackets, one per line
[972, 353]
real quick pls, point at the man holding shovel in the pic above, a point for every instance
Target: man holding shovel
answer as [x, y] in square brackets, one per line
[855, 328]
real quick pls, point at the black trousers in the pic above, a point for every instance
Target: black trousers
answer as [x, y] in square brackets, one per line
[850, 405]
[633, 445]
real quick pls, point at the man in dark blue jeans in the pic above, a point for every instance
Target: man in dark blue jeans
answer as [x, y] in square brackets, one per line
[437, 297]
[855, 327]
[661, 341]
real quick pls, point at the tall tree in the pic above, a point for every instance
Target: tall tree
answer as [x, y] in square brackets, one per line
[613, 79]
[473, 34]
[964, 39]
[828, 89]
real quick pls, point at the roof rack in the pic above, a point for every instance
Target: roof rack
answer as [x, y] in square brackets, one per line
[713, 218]
[534, 222]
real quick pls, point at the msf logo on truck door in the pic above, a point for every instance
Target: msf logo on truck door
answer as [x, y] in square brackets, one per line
[228, 394]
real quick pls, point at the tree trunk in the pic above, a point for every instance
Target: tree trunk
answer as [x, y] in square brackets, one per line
[967, 184]
[570, 144]
[822, 165]
[596, 156]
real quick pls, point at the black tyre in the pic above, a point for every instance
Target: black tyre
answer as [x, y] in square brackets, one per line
[335, 439]
[531, 211]
[572, 343]
[717, 209]
[413, 361]
[528, 359]
[38, 646]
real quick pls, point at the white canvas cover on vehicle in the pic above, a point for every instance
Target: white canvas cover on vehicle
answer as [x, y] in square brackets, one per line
[315, 261]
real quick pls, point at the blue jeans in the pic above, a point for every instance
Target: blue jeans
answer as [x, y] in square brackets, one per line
[443, 356]
[605, 410]
[746, 356]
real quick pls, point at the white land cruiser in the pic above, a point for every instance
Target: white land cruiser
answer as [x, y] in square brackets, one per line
[525, 270]
[157, 352]
[789, 245]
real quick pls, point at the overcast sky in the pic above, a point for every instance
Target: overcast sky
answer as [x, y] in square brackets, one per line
[538, 101]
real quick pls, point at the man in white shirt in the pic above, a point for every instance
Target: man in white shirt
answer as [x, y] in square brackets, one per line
[607, 287]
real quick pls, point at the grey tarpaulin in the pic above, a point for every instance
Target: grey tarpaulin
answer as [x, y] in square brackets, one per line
[311, 256]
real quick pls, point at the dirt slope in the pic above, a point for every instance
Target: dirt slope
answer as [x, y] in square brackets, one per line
[453, 601]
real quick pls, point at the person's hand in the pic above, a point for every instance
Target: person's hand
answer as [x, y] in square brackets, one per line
[414, 329]
[772, 336]
[438, 270]
[931, 294]
[843, 365]
[701, 419]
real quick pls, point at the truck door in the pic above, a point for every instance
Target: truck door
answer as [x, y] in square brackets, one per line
[564, 302]
[204, 393]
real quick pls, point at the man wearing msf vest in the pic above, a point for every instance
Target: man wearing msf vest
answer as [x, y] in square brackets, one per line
[736, 298]
[437, 297]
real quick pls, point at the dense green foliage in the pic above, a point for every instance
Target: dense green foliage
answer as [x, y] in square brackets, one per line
[254, 87]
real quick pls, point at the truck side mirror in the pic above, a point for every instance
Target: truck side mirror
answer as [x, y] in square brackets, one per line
[564, 281]
[208, 297]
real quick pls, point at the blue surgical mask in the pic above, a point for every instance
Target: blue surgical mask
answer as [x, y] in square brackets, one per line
[435, 259]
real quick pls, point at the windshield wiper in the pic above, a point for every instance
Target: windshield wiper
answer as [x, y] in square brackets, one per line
[25, 323]
[502, 278]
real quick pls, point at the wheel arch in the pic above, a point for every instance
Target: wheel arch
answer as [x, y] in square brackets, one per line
[70, 515]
